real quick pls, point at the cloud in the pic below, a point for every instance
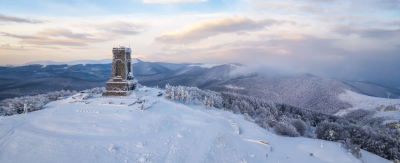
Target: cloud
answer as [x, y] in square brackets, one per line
[303, 53]
[5, 18]
[12, 47]
[288, 6]
[268, 70]
[343, 7]
[345, 18]
[121, 28]
[57, 36]
[374, 33]
[173, 1]
[371, 5]
[208, 28]
[394, 22]
[6, 45]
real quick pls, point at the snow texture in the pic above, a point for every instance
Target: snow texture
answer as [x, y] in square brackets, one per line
[166, 132]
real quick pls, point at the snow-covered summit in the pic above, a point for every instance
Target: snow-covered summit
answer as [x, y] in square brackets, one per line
[114, 129]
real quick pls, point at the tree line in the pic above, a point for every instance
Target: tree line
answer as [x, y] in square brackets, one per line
[355, 131]
[16, 105]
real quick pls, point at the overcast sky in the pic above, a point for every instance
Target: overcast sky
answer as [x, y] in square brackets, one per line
[347, 39]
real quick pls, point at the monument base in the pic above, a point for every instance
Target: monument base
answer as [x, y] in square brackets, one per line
[120, 88]
[114, 93]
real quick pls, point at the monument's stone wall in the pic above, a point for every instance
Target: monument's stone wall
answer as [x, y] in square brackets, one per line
[121, 82]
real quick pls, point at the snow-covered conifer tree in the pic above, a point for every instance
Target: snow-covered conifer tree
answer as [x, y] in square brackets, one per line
[172, 93]
[246, 116]
[186, 97]
[286, 129]
[182, 97]
[168, 91]
[178, 93]
[205, 102]
[283, 118]
[331, 136]
[211, 102]
[236, 109]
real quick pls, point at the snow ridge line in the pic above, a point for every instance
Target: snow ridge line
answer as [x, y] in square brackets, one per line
[10, 134]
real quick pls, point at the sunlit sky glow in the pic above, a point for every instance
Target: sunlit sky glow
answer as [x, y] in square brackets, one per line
[348, 39]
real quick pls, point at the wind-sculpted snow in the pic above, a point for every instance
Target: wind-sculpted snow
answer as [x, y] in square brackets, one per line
[166, 132]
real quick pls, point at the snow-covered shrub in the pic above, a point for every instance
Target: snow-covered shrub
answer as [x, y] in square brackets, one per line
[80, 97]
[300, 126]
[1, 111]
[360, 114]
[246, 116]
[111, 148]
[16, 105]
[97, 90]
[393, 125]
[329, 131]
[193, 95]
[351, 148]
[236, 109]
[8, 110]
[286, 129]
[390, 108]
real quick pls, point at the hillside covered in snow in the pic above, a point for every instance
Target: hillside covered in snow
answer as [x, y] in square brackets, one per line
[368, 108]
[99, 129]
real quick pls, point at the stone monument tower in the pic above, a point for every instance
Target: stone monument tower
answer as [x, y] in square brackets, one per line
[121, 82]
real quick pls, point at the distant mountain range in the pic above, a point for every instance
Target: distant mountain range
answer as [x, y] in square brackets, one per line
[77, 62]
[306, 91]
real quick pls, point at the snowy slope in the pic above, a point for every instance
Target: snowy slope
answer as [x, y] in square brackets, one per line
[359, 101]
[166, 132]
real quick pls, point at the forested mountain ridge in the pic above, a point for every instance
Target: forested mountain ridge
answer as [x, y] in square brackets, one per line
[306, 91]
[46, 76]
